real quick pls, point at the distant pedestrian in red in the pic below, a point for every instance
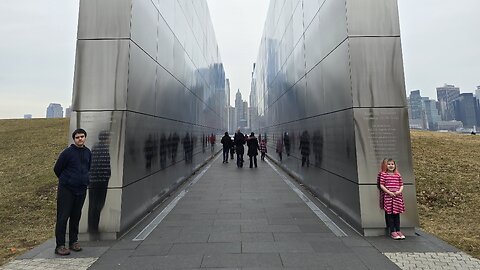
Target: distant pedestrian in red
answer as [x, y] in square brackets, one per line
[263, 149]
[391, 184]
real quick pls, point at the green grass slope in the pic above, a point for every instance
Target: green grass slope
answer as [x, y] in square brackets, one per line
[447, 171]
[28, 151]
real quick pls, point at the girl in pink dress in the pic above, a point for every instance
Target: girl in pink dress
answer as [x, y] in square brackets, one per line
[391, 184]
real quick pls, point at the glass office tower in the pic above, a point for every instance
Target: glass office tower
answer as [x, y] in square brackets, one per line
[329, 87]
[149, 89]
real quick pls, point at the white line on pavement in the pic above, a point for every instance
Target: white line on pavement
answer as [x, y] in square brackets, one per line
[320, 214]
[154, 223]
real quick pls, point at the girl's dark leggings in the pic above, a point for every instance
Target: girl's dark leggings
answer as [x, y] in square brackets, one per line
[393, 222]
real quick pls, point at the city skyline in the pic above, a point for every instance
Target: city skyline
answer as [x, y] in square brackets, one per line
[38, 51]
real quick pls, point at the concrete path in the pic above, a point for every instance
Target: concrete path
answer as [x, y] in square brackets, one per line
[231, 218]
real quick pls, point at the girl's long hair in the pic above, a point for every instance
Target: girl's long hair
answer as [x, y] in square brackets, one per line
[383, 165]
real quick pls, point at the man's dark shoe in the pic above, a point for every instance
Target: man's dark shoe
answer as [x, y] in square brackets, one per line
[62, 251]
[75, 247]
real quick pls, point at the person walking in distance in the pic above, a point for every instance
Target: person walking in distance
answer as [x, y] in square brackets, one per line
[391, 184]
[227, 143]
[263, 149]
[239, 141]
[253, 147]
[72, 169]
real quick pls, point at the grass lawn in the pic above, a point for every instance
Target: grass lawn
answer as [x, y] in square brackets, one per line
[447, 171]
[29, 149]
[446, 166]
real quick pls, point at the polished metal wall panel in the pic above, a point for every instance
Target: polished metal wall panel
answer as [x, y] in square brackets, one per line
[99, 19]
[326, 31]
[144, 26]
[332, 26]
[336, 79]
[374, 217]
[339, 100]
[141, 91]
[381, 133]
[166, 8]
[165, 45]
[339, 144]
[297, 22]
[110, 216]
[315, 92]
[310, 9]
[377, 72]
[169, 92]
[101, 72]
[106, 140]
[345, 199]
[157, 93]
[104, 123]
[372, 18]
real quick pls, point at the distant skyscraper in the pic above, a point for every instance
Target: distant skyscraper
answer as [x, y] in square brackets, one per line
[54, 110]
[68, 112]
[415, 102]
[227, 89]
[446, 96]
[232, 126]
[238, 108]
[27, 116]
[465, 110]
[431, 113]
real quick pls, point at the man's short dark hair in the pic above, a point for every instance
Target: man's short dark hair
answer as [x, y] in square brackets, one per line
[79, 131]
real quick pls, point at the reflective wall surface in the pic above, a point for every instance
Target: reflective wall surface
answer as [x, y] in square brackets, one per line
[149, 89]
[330, 95]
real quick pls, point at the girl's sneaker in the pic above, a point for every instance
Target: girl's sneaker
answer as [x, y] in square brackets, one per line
[395, 236]
[401, 235]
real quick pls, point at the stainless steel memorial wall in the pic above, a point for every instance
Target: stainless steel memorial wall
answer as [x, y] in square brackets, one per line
[149, 89]
[329, 90]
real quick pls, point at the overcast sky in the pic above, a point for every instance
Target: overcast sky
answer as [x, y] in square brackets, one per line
[440, 43]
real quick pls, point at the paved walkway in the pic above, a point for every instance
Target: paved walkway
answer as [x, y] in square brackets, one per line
[230, 218]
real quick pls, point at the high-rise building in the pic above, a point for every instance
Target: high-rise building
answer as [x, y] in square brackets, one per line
[54, 110]
[465, 110]
[477, 92]
[415, 103]
[238, 108]
[232, 124]
[68, 112]
[431, 113]
[446, 96]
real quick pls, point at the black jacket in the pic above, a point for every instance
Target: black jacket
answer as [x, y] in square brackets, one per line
[227, 142]
[72, 168]
[252, 144]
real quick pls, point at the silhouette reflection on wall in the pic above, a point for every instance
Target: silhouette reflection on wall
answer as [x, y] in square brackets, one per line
[99, 176]
[188, 148]
[173, 140]
[305, 148]
[318, 147]
[286, 143]
[163, 151]
[149, 151]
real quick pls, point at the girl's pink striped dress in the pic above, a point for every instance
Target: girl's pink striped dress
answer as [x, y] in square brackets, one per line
[393, 182]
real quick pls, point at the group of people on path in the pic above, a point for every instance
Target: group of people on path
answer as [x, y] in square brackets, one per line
[237, 145]
[74, 164]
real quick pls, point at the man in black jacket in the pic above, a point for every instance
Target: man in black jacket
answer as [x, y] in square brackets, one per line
[227, 144]
[72, 169]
